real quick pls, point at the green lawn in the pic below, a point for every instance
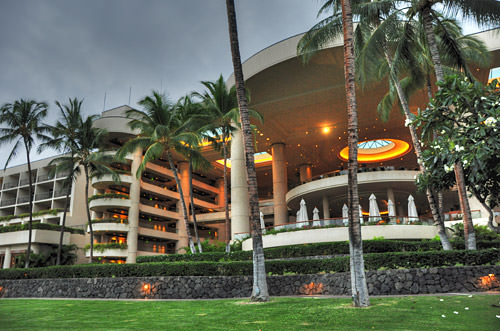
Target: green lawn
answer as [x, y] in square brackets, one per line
[404, 313]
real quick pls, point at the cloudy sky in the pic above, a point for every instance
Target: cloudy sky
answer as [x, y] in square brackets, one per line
[57, 49]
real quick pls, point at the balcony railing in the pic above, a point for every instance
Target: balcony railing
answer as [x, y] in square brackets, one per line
[156, 248]
[45, 177]
[60, 193]
[9, 185]
[458, 215]
[26, 181]
[23, 199]
[157, 226]
[43, 196]
[8, 202]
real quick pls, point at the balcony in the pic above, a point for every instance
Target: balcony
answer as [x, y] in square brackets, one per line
[9, 185]
[43, 196]
[108, 227]
[43, 178]
[8, 202]
[107, 180]
[103, 202]
[26, 181]
[23, 199]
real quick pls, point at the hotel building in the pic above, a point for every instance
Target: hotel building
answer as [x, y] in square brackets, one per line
[300, 155]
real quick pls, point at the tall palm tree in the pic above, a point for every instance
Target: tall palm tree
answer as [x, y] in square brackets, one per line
[483, 12]
[189, 111]
[317, 37]
[23, 125]
[221, 104]
[161, 132]
[259, 289]
[62, 137]
[404, 52]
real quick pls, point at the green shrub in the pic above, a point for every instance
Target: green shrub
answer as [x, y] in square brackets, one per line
[373, 261]
[38, 226]
[482, 232]
[49, 258]
[102, 247]
[110, 220]
[109, 196]
[35, 214]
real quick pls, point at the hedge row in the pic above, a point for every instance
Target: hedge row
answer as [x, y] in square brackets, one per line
[373, 261]
[317, 249]
[54, 212]
[38, 226]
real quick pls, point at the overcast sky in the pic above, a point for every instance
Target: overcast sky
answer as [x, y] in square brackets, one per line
[57, 49]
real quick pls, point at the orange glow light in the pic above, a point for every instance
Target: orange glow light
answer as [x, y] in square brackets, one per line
[260, 159]
[326, 130]
[400, 148]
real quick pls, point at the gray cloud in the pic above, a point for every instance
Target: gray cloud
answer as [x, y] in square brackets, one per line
[56, 49]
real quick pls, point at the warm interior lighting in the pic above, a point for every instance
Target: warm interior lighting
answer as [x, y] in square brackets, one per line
[388, 150]
[260, 159]
[326, 130]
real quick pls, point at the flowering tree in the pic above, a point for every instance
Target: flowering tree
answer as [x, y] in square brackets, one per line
[466, 116]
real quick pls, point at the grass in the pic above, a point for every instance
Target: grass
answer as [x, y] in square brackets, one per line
[391, 313]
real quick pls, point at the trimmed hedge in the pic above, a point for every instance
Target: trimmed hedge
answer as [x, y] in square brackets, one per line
[373, 261]
[38, 226]
[317, 249]
[54, 212]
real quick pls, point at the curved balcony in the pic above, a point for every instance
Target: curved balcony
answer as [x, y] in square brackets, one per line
[102, 205]
[107, 180]
[402, 232]
[109, 252]
[111, 227]
[368, 181]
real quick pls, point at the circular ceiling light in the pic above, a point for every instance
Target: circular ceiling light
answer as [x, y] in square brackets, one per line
[377, 150]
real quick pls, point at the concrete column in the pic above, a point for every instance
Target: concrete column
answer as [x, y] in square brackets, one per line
[280, 186]
[326, 207]
[240, 209]
[390, 196]
[7, 258]
[305, 172]
[133, 212]
[183, 173]
[220, 196]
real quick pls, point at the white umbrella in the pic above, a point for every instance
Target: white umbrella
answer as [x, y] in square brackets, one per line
[302, 214]
[412, 209]
[262, 224]
[391, 209]
[316, 221]
[345, 215]
[374, 211]
[360, 215]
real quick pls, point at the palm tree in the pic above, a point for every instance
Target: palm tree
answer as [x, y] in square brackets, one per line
[409, 56]
[161, 132]
[23, 125]
[85, 154]
[221, 104]
[317, 37]
[62, 137]
[259, 289]
[485, 13]
[189, 111]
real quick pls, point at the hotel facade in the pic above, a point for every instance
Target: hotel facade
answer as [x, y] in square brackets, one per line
[300, 156]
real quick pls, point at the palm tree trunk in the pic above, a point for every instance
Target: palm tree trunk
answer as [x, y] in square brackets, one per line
[30, 222]
[470, 236]
[200, 249]
[63, 225]
[183, 203]
[226, 200]
[359, 287]
[89, 221]
[438, 68]
[259, 289]
[431, 198]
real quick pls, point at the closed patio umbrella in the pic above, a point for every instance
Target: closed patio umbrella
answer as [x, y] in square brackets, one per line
[302, 214]
[412, 210]
[316, 221]
[345, 215]
[360, 215]
[374, 211]
[262, 224]
[391, 210]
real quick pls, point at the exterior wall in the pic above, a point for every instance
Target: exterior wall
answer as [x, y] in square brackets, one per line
[381, 282]
[342, 234]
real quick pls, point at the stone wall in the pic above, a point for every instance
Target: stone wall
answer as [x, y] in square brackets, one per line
[381, 282]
